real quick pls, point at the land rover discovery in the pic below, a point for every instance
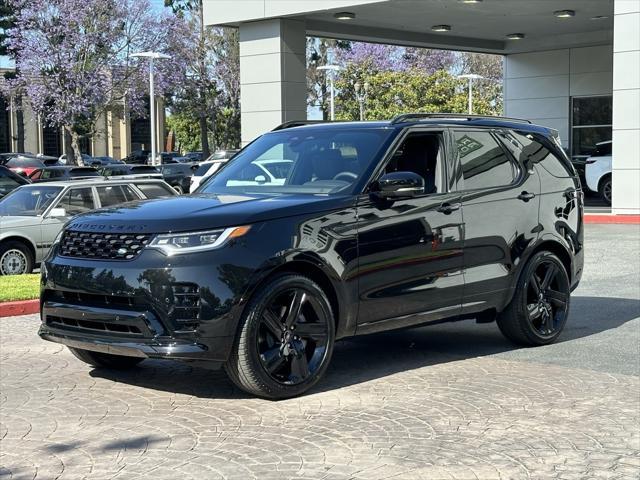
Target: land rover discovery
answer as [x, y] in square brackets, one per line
[358, 228]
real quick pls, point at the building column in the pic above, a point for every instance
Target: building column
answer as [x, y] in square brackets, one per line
[626, 107]
[272, 75]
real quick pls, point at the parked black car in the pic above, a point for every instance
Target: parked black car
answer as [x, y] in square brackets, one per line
[178, 175]
[48, 174]
[375, 226]
[194, 156]
[9, 181]
[138, 157]
[129, 171]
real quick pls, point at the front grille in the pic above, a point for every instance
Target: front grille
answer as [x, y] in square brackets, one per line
[94, 326]
[105, 246]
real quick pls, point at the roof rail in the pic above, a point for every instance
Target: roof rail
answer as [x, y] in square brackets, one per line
[296, 123]
[407, 117]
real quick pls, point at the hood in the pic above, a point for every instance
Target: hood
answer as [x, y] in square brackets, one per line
[15, 221]
[203, 211]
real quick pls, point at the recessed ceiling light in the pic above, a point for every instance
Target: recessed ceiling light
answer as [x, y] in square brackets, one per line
[344, 15]
[515, 36]
[441, 28]
[599, 17]
[564, 13]
[470, 1]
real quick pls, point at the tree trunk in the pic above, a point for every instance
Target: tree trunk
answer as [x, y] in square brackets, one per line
[20, 124]
[204, 135]
[75, 146]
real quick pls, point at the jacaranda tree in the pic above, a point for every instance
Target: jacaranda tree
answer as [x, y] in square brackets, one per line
[74, 62]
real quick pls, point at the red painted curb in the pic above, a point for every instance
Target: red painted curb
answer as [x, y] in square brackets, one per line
[610, 218]
[22, 307]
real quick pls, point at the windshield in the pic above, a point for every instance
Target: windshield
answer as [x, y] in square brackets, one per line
[29, 201]
[318, 160]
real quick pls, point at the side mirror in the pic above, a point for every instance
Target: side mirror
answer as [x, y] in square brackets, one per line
[396, 185]
[58, 213]
[260, 179]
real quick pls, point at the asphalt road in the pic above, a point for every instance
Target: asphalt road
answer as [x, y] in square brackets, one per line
[454, 401]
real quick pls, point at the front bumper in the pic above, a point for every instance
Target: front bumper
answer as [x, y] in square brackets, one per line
[130, 307]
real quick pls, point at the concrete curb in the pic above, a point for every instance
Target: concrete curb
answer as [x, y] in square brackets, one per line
[611, 218]
[22, 307]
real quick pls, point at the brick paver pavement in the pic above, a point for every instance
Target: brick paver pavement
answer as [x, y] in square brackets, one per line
[387, 409]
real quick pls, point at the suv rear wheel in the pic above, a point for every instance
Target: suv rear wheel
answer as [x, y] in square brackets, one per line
[15, 258]
[105, 360]
[540, 305]
[285, 339]
[604, 189]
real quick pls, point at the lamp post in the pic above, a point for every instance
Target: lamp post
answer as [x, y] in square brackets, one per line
[471, 77]
[361, 95]
[152, 104]
[331, 69]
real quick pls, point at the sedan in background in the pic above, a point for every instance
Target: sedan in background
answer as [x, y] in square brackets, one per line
[9, 181]
[211, 166]
[130, 171]
[24, 164]
[49, 174]
[178, 175]
[31, 216]
[86, 159]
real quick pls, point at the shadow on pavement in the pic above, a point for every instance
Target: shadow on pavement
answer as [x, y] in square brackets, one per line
[360, 359]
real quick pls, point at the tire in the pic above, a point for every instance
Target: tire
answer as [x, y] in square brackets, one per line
[15, 258]
[539, 308]
[105, 360]
[604, 189]
[275, 368]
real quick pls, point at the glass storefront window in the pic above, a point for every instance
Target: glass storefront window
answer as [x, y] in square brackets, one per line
[590, 124]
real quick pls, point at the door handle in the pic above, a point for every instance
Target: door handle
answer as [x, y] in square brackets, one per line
[526, 196]
[447, 208]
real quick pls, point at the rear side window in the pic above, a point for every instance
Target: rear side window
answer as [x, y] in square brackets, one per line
[155, 190]
[115, 194]
[603, 150]
[533, 151]
[483, 162]
[76, 201]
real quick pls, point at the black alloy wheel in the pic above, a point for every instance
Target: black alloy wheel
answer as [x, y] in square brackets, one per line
[540, 305]
[286, 339]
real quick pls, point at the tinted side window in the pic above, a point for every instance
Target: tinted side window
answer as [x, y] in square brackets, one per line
[76, 201]
[420, 153]
[154, 190]
[533, 151]
[113, 195]
[483, 162]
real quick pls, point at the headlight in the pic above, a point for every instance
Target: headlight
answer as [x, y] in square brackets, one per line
[58, 237]
[178, 243]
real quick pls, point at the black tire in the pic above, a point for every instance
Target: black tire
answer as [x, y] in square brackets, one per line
[266, 312]
[15, 258]
[605, 189]
[539, 309]
[105, 360]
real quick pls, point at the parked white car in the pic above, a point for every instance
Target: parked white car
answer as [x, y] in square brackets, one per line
[31, 216]
[597, 171]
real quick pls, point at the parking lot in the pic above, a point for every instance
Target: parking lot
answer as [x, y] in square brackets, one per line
[442, 402]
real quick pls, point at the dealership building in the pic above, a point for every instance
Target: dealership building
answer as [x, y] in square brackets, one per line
[573, 65]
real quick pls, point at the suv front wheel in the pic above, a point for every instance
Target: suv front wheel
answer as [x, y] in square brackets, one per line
[285, 339]
[540, 305]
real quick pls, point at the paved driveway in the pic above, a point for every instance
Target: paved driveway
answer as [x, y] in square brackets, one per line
[443, 402]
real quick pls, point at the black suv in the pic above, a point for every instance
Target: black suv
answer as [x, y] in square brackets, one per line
[319, 232]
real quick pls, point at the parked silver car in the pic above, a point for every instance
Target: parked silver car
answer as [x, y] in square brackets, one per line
[31, 216]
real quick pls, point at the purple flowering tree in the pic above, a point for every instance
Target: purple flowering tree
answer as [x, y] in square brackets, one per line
[74, 59]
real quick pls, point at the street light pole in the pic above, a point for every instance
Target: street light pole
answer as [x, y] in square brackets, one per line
[471, 77]
[152, 96]
[361, 96]
[331, 69]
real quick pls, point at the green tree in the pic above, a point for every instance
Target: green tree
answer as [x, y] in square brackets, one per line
[186, 130]
[395, 92]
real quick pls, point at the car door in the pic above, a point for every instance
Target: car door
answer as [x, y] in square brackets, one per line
[500, 198]
[75, 201]
[410, 251]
